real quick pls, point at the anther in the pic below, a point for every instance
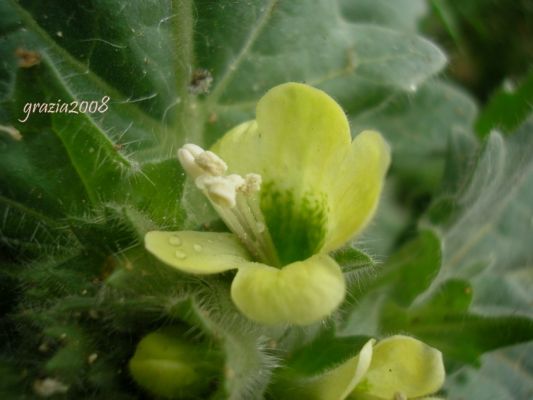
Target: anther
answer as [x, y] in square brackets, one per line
[211, 163]
[196, 162]
[187, 157]
[237, 181]
[232, 197]
[220, 190]
[194, 149]
[252, 184]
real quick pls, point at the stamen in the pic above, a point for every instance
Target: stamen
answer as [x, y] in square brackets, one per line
[249, 206]
[252, 184]
[196, 161]
[211, 163]
[237, 181]
[221, 190]
[233, 197]
[188, 162]
[194, 149]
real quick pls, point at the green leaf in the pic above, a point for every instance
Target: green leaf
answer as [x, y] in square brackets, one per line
[485, 240]
[99, 165]
[418, 127]
[460, 156]
[125, 44]
[54, 185]
[96, 165]
[324, 353]
[154, 189]
[71, 358]
[262, 32]
[351, 259]
[344, 59]
[407, 273]
[248, 367]
[26, 233]
[413, 267]
[410, 270]
[402, 15]
[125, 122]
[444, 322]
[507, 108]
[504, 375]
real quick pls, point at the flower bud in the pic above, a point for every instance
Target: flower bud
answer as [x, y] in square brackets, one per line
[170, 367]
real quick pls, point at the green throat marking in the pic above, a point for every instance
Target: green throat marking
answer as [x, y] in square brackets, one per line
[297, 226]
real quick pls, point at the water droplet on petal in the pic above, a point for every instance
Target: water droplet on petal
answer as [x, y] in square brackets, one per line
[509, 86]
[180, 255]
[92, 358]
[197, 248]
[174, 240]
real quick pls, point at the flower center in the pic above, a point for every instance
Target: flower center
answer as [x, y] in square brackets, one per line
[297, 224]
[235, 199]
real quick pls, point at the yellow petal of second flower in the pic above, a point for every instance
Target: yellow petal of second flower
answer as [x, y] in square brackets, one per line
[338, 383]
[300, 293]
[197, 252]
[404, 365]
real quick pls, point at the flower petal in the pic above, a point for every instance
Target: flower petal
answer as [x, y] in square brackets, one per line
[338, 383]
[300, 293]
[299, 129]
[406, 366]
[355, 194]
[319, 189]
[197, 252]
[300, 135]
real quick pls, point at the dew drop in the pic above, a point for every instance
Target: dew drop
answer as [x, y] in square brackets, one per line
[180, 255]
[174, 240]
[509, 86]
[92, 358]
[260, 227]
[197, 248]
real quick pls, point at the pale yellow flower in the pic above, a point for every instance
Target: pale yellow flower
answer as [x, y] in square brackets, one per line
[396, 368]
[292, 186]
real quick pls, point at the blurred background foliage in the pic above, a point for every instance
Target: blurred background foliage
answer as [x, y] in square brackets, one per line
[490, 49]
[488, 42]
